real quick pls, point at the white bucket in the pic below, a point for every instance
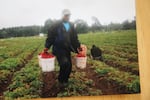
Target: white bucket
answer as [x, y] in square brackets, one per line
[81, 62]
[47, 64]
[39, 58]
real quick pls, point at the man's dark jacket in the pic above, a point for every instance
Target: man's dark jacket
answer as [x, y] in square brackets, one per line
[61, 39]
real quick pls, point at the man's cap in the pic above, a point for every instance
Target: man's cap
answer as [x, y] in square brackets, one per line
[66, 12]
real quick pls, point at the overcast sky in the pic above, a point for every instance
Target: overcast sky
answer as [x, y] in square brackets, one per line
[35, 12]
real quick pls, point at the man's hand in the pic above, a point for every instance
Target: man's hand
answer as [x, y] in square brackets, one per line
[82, 50]
[45, 50]
[79, 49]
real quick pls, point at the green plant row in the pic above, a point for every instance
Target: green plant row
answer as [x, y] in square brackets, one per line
[79, 85]
[131, 82]
[27, 82]
[11, 48]
[121, 64]
[4, 74]
[10, 65]
[131, 57]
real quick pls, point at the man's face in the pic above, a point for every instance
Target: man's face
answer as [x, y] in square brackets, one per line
[66, 18]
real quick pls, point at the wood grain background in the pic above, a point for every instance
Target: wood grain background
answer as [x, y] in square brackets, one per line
[143, 35]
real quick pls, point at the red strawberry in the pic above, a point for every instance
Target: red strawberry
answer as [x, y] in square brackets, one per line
[46, 55]
[80, 55]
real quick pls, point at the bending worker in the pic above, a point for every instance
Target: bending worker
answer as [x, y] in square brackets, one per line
[63, 37]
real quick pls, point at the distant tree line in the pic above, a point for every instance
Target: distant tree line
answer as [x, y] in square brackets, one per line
[22, 31]
[80, 25]
[126, 25]
[97, 26]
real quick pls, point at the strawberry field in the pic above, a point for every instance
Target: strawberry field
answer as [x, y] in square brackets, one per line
[21, 76]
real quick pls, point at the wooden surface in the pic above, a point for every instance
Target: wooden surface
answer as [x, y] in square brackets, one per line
[143, 31]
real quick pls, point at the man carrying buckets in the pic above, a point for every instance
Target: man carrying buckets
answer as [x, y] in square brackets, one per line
[63, 37]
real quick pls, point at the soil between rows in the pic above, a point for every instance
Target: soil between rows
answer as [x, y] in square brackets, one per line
[5, 83]
[50, 89]
[106, 86]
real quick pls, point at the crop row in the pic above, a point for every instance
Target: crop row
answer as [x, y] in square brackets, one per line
[12, 47]
[12, 64]
[131, 57]
[9, 66]
[121, 64]
[79, 85]
[123, 79]
[27, 82]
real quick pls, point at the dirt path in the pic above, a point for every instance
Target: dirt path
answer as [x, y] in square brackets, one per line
[50, 88]
[101, 83]
[5, 84]
[122, 68]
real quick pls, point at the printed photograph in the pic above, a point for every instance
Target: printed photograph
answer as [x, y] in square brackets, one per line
[67, 48]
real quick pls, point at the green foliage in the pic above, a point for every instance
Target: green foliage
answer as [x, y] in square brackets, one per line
[20, 31]
[4, 74]
[26, 82]
[81, 26]
[102, 72]
[119, 49]
[134, 86]
[79, 85]
[121, 63]
[131, 82]
[10, 64]
[48, 23]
